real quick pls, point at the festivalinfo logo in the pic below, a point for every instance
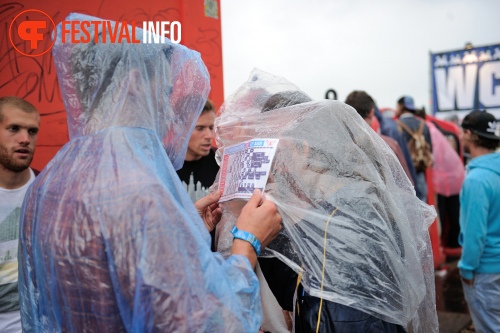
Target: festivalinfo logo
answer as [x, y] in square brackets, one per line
[31, 32]
[152, 32]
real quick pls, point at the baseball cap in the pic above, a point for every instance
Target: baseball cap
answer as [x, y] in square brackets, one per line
[483, 124]
[407, 103]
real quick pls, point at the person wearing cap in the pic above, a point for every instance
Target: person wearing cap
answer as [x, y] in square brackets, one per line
[405, 111]
[480, 221]
[389, 127]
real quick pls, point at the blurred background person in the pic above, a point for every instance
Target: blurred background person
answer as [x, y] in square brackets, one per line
[19, 124]
[200, 168]
[448, 174]
[480, 221]
[411, 126]
[390, 128]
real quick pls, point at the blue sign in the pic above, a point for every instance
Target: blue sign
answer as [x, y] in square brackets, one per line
[466, 79]
[257, 143]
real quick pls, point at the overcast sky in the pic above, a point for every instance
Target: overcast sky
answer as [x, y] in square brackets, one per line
[381, 47]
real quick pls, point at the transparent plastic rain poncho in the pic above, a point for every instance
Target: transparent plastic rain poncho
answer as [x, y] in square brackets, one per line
[110, 240]
[348, 207]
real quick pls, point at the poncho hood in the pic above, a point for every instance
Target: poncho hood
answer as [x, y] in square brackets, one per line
[103, 85]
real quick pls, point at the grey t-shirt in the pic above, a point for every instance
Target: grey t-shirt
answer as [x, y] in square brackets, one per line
[11, 202]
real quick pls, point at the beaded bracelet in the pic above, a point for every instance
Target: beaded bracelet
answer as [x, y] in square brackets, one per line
[246, 236]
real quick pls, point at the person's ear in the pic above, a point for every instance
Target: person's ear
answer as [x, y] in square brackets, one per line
[467, 134]
[398, 109]
[369, 118]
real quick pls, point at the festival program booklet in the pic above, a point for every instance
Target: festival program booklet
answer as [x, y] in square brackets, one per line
[245, 167]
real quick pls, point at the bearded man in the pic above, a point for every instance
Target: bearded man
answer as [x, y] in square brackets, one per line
[19, 123]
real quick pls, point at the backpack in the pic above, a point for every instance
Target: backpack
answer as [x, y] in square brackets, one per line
[420, 149]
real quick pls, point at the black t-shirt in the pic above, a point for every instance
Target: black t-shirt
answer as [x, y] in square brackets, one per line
[203, 172]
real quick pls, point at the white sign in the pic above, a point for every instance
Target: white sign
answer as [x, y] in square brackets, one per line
[464, 80]
[245, 167]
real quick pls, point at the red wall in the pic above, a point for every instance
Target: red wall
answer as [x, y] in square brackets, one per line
[34, 78]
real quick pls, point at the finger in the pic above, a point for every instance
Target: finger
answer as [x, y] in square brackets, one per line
[208, 200]
[269, 206]
[279, 224]
[214, 206]
[217, 215]
[277, 215]
[255, 199]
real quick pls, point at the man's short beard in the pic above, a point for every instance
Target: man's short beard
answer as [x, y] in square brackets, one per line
[8, 163]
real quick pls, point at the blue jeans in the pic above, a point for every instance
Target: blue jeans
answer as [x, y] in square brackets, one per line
[336, 318]
[422, 186]
[483, 299]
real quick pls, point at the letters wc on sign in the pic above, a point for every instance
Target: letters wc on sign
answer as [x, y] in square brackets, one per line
[245, 167]
[466, 79]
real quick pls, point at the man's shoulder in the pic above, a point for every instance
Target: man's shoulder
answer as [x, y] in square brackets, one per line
[479, 177]
[390, 141]
[409, 119]
[23, 187]
[413, 122]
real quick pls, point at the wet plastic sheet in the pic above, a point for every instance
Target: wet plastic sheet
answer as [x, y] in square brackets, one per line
[110, 240]
[352, 222]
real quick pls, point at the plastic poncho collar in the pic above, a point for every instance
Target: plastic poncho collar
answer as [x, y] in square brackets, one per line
[110, 240]
[352, 223]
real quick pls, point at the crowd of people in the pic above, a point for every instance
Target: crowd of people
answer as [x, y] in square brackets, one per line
[123, 230]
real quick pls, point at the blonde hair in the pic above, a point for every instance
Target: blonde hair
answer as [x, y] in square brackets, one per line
[17, 102]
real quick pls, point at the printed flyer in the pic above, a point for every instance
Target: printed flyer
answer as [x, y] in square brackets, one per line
[245, 167]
